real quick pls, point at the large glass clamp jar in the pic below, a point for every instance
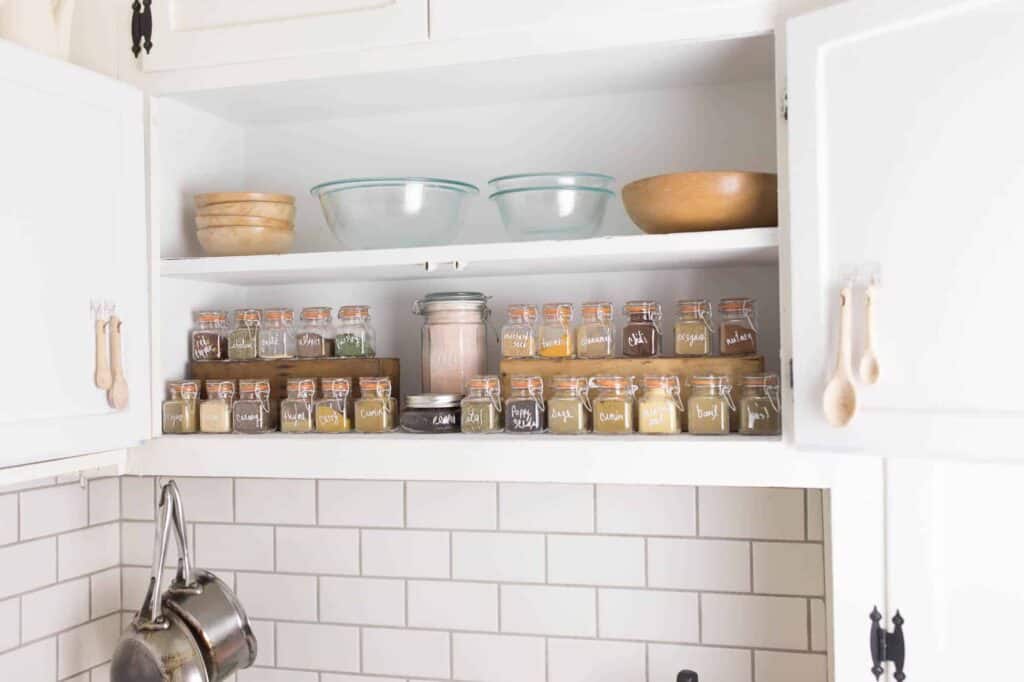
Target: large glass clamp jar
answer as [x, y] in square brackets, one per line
[453, 339]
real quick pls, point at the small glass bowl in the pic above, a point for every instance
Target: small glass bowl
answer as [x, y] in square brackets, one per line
[552, 212]
[556, 179]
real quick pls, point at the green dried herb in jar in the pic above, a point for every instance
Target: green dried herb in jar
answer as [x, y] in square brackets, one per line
[355, 337]
[482, 408]
[243, 342]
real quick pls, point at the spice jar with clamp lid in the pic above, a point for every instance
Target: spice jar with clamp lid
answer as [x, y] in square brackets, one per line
[482, 407]
[243, 342]
[519, 333]
[759, 405]
[641, 335]
[376, 410]
[524, 409]
[693, 328]
[315, 336]
[660, 406]
[254, 411]
[277, 334]
[569, 405]
[354, 335]
[613, 401]
[557, 336]
[709, 404]
[595, 337]
[334, 409]
[210, 336]
[453, 339]
[181, 410]
[432, 413]
[297, 407]
[215, 411]
[737, 330]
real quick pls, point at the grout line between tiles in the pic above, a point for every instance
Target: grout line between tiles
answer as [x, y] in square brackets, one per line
[806, 507]
[696, 511]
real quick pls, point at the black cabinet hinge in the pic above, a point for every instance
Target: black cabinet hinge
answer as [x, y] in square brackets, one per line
[887, 647]
[142, 26]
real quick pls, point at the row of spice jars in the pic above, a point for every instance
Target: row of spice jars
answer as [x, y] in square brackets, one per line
[611, 405]
[306, 409]
[558, 336]
[272, 334]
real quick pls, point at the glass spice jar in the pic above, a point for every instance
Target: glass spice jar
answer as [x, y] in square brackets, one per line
[557, 337]
[737, 330]
[215, 411]
[333, 412]
[759, 405]
[613, 404]
[180, 410]
[277, 334]
[431, 413]
[254, 411]
[524, 409]
[595, 337]
[453, 341]
[660, 407]
[375, 409]
[693, 328]
[519, 333]
[641, 335]
[209, 338]
[569, 406]
[354, 335]
[315, 337]
[709, 404]
[243, 342]
[297, 407]
[482, 408]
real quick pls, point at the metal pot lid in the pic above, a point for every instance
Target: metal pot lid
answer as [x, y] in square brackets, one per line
[429, 400]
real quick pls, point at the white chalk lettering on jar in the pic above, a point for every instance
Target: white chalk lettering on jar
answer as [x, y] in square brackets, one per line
[247, 416]
[240, 342]
[611, 417]
[705, 414]
[175, 419]
[739, 338]
[756, 415]
[203, 346]
[295, 413]
[443, 419]
[602, 340]
[560, 415]
[656, 416]
[520, 340]
[522, 418]
[552, 342]
[637, 339]
[329, 418]
[689, 338]
[371, 413]
[473, 418]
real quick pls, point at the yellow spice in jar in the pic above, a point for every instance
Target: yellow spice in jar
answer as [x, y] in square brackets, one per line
[332, 418]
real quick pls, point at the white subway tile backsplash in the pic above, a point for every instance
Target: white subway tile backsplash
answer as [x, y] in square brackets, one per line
[10, 623]
[261, 500]
[137, 538]
[325, 551]
[33, 663]
[28, 485]
[318, 647]
[819, 638]
[712, 664]
[581, 660]
[106, 592]
[406, 653]
[497, 658]
[646, 509]
[789, 568]
[263, 630]
[100, 674]
[53, 609]
[104, 501]
[206, 499]
[754, 621]
[649, 615]
[27, 566]
[508, 557]
[777, 666]
[549, 610]
[87, 646]
[455, 506]
[8, 519]
[138, 498]
[362, 601]
[441, 604]
[693, 564]
[757, 513]
[91, 550]
[278, 597]
[334, 677]
[235, 547]
[405, 553]
[53, 510]
[815, 515]
[272, 675]
[596, 560]
[368, 504]
[547, 507]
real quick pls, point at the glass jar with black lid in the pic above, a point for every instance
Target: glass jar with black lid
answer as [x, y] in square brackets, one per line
[432, 413]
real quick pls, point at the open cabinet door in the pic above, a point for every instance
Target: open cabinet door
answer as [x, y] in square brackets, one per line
[906, 157]
[73, 224]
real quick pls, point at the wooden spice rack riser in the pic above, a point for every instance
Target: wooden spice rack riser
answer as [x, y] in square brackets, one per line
[279, 371]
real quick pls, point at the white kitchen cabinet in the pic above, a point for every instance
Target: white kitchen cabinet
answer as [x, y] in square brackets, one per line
[73, 213]
[905, 157]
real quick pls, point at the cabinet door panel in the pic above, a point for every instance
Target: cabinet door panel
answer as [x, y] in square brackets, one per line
[905, 155]
[73, 219]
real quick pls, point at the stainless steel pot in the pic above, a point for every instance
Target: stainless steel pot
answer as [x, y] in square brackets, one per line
[158, 646]
[209, 607]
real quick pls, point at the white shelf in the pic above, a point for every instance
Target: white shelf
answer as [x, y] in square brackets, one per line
[756, 246]
[109, 463]
[675, 460]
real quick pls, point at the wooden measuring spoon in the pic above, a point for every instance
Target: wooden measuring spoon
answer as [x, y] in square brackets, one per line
[102, 378]
[869, 367]
[840, 399]
[117, 396]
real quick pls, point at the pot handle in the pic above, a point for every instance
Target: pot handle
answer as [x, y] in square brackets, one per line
[150, 616]
[185, 579]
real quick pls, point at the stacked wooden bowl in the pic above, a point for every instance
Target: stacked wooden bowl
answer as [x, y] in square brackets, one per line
[245, 223]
